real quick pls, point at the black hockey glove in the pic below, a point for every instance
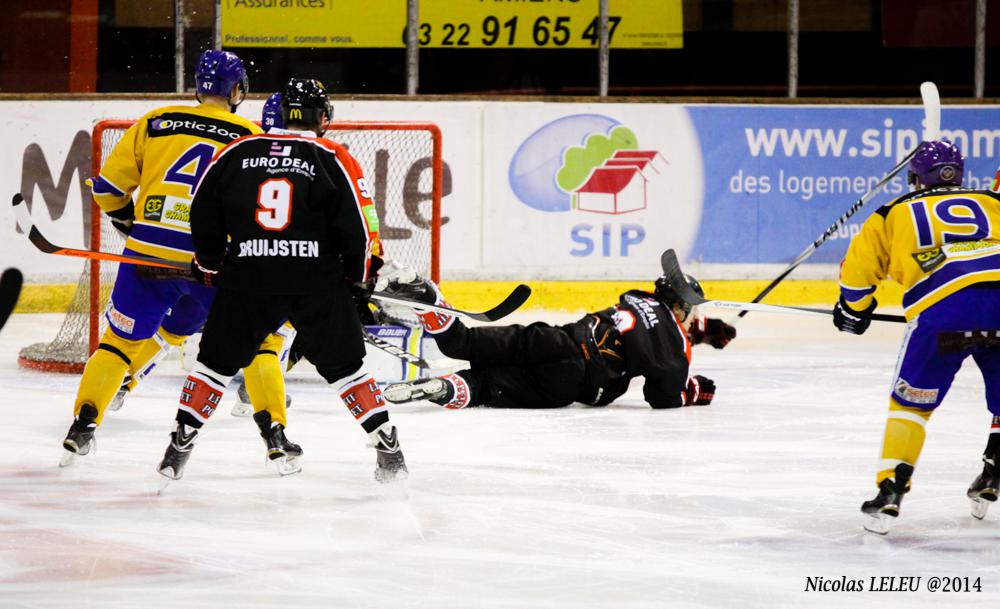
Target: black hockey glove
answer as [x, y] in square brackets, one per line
[204, 274]
[712, 331]
[848, 320]
[700, 391]
[123, 218]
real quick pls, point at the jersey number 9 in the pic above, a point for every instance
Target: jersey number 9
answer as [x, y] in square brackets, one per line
[274, 204]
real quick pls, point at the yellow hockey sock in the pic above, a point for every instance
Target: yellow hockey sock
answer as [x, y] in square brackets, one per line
[105, 370]
[903, 440]
[265, 380]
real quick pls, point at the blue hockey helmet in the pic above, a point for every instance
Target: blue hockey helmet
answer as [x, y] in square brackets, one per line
[270, 117]
[936, 163]
[218, 72]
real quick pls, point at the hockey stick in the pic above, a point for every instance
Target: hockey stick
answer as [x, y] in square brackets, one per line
[10, 289]
[932, 126]
[675, 277]
[38, 240]
[511, 303]
[395, 351]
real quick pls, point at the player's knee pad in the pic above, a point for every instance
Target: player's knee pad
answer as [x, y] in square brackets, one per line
[202, 394]
[363, 399]
[123, 348]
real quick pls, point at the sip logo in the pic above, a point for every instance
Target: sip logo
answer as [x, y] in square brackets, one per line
[593, 164]
[152, 209]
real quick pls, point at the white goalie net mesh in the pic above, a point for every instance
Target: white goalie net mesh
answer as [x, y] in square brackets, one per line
[398, 165]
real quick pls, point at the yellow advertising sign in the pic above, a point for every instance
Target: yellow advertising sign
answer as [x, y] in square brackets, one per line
[522, 24]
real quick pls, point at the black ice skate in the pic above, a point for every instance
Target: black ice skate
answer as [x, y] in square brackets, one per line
[418, 289]
[182, 441]
[390, 466]
[880, 511]
[983, 491]
[435, 389]
[80, 438]
[281, 452]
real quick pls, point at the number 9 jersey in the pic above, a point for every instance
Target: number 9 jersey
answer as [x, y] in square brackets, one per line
[933, 242]
[164, 155]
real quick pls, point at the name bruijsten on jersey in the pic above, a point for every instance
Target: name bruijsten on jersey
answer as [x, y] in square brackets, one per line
[279, 247]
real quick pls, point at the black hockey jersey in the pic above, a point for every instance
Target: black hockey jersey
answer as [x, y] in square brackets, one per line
[296, 209]
[637, 337]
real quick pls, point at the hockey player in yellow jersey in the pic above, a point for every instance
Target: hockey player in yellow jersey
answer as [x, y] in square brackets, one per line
[942, 243]
[162, 157]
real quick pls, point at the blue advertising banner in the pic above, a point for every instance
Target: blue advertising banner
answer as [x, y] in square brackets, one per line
[775, 177]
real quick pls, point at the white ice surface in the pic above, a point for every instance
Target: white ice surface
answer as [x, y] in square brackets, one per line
[731, 505]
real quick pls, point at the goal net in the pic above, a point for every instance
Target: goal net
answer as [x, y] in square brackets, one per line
[401, 160]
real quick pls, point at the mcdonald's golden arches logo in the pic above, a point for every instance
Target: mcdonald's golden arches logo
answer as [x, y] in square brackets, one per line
[295, 113]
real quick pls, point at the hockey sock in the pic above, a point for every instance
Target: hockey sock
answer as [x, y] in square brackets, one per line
[903, 440]
[265, 381]
[201, 395]
[363, 399]
[104, 372]
[460, 395]
[151, 353]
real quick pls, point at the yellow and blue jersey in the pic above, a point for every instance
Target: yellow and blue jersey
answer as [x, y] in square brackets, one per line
[163, 155]
[933, 242]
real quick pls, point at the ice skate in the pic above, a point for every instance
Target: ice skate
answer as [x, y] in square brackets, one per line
[983, 491]
[390, 466]
[435, 389]
[880, 511]
[80, 438]
[243, 407]
[281, 452]
[182, 441]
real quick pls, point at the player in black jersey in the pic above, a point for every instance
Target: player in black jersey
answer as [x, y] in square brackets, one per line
[590, 361]
[301, 227]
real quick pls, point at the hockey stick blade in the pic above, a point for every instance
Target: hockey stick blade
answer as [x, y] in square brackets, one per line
[511, 303]
[675, 277]
[673, 274]
[395, 351]
[39, 241]
[10, 289]
[932, 110]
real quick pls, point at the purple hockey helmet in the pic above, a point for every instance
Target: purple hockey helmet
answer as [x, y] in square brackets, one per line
[218, 72]
[936, 163]
[271, 115]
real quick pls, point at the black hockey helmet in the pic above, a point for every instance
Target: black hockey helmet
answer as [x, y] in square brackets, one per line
[668, 296]
[304, 101]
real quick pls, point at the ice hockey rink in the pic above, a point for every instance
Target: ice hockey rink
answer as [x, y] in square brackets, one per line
[732, 505]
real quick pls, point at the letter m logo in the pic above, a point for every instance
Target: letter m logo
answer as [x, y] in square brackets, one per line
[35, 173]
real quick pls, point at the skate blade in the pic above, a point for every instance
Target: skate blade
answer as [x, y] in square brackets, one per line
[241, 410]
[67, 459]
[287, 466]
[980, 507]
[878, 523]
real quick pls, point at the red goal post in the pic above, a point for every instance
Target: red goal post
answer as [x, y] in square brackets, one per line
[401, 160]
